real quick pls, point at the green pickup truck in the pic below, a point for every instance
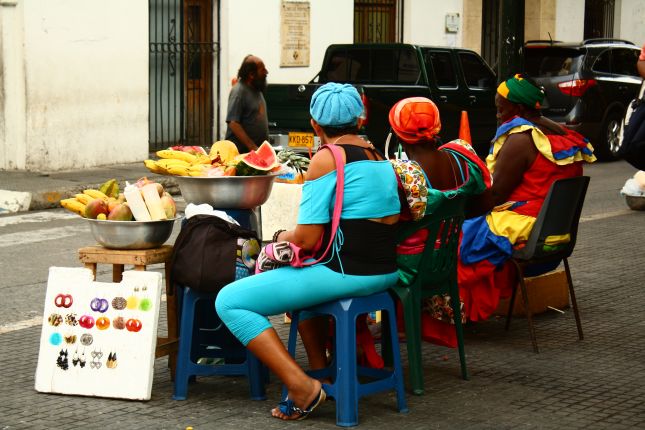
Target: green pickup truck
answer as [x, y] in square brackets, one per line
[455, 79]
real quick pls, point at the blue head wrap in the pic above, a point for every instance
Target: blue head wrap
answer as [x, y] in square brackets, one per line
[336, 105]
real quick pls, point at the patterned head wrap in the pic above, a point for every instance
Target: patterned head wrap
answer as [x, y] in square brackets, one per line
[415, 119]
[336, 105]
[521, 91]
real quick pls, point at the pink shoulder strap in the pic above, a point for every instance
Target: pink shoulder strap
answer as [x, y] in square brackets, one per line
[338, 204]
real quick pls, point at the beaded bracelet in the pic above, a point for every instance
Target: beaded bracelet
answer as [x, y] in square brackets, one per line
[276, 234]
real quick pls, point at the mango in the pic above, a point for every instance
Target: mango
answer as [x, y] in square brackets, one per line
[96, 207]
[169, 206]
[160, 189]
[121, 212]
[112, 202]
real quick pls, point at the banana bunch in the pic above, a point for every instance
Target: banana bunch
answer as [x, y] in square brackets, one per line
[78, 203]
[178, 163]
[108, 192]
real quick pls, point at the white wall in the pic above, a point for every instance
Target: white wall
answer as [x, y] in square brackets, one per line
[630, 21]
[258, 33]
[569, 20]
[12, 88]
[425, 22]
[86, 67]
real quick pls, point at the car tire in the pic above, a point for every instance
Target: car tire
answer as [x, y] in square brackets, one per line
[608, 137]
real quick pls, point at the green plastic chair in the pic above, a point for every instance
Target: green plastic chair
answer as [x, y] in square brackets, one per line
[437, 274]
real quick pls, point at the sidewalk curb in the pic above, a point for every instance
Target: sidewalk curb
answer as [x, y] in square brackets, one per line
[18, 201]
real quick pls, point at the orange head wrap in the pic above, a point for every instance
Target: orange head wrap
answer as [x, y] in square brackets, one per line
[415, 119]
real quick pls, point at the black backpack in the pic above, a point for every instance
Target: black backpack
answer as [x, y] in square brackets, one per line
[210, 253]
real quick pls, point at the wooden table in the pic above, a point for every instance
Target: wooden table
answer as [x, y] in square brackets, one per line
[90, 256]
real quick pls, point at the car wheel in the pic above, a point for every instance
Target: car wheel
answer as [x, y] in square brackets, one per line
[608, 139]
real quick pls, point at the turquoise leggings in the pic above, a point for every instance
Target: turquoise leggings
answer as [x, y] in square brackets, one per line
[244, 305]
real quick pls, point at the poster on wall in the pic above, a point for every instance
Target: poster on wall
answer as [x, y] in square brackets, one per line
[98, 338]
[294, 34]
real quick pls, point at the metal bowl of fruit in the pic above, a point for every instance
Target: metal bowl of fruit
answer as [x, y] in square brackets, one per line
[636, 203]
[227, 192]
[131, 234]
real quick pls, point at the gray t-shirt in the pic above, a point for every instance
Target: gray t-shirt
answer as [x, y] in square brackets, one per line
[247, 106]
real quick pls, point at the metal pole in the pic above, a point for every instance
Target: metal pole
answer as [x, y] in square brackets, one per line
[511, 38]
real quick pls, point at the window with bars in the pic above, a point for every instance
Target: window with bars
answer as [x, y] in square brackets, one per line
[378, 21]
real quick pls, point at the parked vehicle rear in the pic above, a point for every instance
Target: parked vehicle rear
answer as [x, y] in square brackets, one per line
[588, 85]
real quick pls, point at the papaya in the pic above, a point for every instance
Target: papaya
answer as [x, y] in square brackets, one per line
[225, 150]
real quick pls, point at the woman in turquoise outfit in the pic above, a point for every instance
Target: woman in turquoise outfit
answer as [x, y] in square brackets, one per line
[433, 175]
[362, 260]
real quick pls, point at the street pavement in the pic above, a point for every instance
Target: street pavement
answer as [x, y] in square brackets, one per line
[596, 383]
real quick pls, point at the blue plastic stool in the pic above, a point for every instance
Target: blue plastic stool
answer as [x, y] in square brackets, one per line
[203, 336]
[344, 371]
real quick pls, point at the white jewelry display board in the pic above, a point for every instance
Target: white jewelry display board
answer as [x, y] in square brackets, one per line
[99, 338]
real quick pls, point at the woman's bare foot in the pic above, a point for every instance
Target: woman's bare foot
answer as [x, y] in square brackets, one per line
[306, 399]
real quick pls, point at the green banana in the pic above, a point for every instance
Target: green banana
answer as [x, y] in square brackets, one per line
[110, 188]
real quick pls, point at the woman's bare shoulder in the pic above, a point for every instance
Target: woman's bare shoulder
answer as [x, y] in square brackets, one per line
[321, 164]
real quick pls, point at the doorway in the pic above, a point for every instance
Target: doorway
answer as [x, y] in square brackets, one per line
[183, 68]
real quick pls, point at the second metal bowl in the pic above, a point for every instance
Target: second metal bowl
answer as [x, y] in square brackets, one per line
[131, 234]
[227, 192]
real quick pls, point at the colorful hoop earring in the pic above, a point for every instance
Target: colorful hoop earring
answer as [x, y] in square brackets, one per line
[64, 300]
[119, 303]
[133, 325]
[55, 319]
[86, 321]
[87, 339]
[99, 305]
[103, 323]
[118, 323]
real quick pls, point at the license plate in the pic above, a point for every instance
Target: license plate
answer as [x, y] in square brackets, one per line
[301, 139]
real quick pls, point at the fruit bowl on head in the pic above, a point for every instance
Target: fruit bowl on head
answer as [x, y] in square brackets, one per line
[131, 234]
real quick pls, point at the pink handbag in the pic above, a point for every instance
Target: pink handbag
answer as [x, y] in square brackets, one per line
[283, 253]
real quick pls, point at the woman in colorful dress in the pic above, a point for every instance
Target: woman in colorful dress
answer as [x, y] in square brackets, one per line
[433, 175]
[528, 153]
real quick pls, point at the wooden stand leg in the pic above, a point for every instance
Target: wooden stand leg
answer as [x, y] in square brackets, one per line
[141, 267]
[92, 267]
[117, 273]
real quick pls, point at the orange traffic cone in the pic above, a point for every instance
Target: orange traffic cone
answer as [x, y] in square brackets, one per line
[464, 128]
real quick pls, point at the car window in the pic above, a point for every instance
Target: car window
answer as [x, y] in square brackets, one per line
[547, 62]
[440, 62]
[624, 61]
[408, 66]
[388, 65]
[603, 62]
[347, 66]
[476, 72]
[394, 65]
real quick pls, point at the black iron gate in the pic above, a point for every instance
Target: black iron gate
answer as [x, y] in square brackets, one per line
[378, 21]
[183, 70]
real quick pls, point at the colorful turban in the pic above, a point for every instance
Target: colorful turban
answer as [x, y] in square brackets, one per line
[521, 91]
[336, 105]
[415, 119]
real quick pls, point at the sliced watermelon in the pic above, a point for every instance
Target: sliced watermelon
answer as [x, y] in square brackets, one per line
[264, 158]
